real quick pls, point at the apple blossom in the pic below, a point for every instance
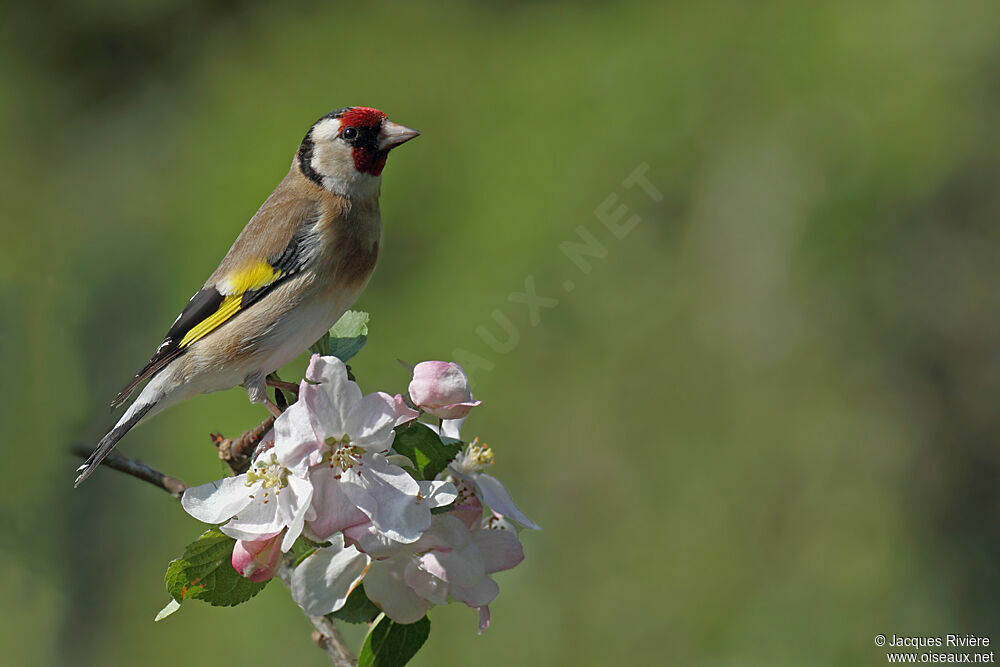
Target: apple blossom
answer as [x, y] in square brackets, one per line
[449, 560]
[441, 388]
[256, 505]
[339, 439]
[466, 468]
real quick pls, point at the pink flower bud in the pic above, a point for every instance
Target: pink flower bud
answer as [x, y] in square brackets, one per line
[257, 560]
[440, 388]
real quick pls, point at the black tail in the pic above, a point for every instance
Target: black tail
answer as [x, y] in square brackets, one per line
[132, 417]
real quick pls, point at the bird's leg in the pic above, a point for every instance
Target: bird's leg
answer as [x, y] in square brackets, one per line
[256, 386]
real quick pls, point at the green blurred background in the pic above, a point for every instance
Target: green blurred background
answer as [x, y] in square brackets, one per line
[761, 429]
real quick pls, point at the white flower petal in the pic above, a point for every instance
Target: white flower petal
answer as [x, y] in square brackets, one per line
[493, 494]
[332, 399]
[293, 503]
[388, 496]
[217, 501]
[449, 430]
[370, 424]
[297, 445]
[256, 519]
[322, 582]
[500, 549]
[438, 494]
[386, 586]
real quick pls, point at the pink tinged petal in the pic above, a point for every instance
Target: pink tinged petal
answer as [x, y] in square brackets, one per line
[499, 549]
[481, 593]
[297, 446]
[370, 424]
[425, 584]
[257, 561]
[333, 399]
[484, 619]
[452, 411]
[404, 413]
[385, 585]
[294, 504]
[217, 501]
[322, 582]
[458, 567]
[388, 496]
[334, 511]
[468, 509]
[437, 383]
[368, 540]
[496, 497]
[446, 532]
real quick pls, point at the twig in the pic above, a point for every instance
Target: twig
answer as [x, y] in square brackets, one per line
[238, 452]
[290, 387]
[326, 635]
[136, 469]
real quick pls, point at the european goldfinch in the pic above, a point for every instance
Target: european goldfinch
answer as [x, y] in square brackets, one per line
[298, 265]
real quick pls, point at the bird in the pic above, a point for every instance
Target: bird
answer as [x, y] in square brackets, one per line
[297, 266]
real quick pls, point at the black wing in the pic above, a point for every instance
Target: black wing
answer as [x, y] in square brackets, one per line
[212, 308]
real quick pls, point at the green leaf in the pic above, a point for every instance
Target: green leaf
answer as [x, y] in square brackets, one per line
[303, 548]
[351, 324]
[423, 446]
[322, 346]
[349, 335]
[357, 609]
[205, 572]
[391, 644]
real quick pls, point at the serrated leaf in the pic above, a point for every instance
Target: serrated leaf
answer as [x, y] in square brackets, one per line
[357, 609]
[421, 445]
[205, 572]
[391, 644]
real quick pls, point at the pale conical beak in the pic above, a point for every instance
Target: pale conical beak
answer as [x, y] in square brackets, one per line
[393, 134]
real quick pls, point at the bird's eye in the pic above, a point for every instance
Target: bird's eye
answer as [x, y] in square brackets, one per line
[349, 133]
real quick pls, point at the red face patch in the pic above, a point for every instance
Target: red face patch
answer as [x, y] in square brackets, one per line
[367, 158]
[362, 117]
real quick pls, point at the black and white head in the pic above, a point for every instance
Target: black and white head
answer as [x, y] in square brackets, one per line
[345, 150]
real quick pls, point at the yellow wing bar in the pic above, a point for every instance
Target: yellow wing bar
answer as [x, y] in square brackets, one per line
[252, 277]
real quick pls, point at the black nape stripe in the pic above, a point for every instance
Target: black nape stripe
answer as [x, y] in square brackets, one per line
[305, 160]
[306, 148]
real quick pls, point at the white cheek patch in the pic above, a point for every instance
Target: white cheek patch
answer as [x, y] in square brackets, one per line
[326, 130]
[333, 160]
